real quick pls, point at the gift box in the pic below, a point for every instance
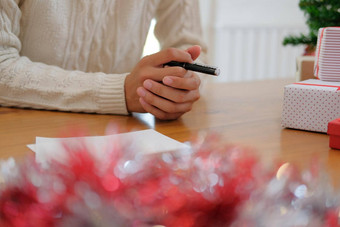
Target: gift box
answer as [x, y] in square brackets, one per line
[327, 55]
[305, 68]
[334, 133]
[310, 105]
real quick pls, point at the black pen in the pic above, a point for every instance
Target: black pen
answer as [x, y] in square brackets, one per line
[196, 67]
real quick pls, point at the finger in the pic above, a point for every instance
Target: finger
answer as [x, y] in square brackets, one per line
[163, 104]
[170, 71]
[169, 54]
[194, 51]
[157, 74]
[157, 112]
[187, 83]
[170, 93]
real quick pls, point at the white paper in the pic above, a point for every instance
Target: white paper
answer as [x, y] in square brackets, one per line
[146, 141]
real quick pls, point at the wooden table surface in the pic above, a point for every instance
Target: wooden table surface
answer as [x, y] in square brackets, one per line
[248, 114]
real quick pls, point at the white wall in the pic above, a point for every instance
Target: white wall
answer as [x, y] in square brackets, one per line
[245, 37]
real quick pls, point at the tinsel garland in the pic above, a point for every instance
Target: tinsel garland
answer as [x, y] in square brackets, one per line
[211, 184]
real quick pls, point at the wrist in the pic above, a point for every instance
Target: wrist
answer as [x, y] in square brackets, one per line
[131, 97]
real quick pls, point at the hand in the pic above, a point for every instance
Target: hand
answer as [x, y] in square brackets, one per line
[171, 99]
[175, 96]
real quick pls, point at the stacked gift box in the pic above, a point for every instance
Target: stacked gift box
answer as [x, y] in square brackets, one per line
[314, 104]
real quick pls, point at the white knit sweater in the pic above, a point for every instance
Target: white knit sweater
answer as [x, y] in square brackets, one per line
[74, 55]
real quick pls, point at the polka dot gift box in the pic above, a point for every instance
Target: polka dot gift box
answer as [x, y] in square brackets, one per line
[310, 105]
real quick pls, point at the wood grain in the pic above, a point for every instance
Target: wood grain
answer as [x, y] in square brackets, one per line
[248, 114]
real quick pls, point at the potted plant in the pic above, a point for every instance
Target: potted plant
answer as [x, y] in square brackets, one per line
[319, 13]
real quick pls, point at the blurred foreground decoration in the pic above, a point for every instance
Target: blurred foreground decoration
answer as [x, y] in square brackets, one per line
[210, 184]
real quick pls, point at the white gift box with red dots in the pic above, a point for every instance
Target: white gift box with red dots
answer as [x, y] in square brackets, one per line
[310, 105]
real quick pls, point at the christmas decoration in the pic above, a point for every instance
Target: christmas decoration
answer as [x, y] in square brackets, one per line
[333, 131]
[210, 184]
[327, 59]
[319, 13]
[310, 105]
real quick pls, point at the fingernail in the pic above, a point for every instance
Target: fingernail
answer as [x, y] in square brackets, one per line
[141, 100]
[167, 80]
[141, 91]
[147, 84]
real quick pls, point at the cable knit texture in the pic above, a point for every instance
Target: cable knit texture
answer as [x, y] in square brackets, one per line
[74, 55]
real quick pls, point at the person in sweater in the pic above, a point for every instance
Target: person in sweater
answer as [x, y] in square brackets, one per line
[85, 56]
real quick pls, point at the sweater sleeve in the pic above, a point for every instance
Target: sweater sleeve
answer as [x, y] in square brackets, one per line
[179, 25]
[24, 83]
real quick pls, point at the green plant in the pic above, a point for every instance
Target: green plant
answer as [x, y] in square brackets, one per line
[319, 13]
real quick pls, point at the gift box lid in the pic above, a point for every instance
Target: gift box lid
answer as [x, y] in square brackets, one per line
[316, 84]
[334, 127]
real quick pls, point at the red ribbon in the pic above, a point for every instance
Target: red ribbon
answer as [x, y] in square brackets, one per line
[320, 85]
[318, 56]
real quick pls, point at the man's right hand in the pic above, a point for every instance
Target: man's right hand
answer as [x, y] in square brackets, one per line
[166, 92]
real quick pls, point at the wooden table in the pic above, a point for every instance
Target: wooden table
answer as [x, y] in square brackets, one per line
[248, 114]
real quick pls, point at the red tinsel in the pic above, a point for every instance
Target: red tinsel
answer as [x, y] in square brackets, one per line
[212, 184]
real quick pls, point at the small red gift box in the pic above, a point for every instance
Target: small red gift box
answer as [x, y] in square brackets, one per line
[334, 133]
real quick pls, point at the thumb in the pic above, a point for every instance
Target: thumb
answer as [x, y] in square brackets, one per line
[194, 51]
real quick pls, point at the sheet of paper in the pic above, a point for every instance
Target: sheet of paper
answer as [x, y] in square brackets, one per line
[146, 141]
